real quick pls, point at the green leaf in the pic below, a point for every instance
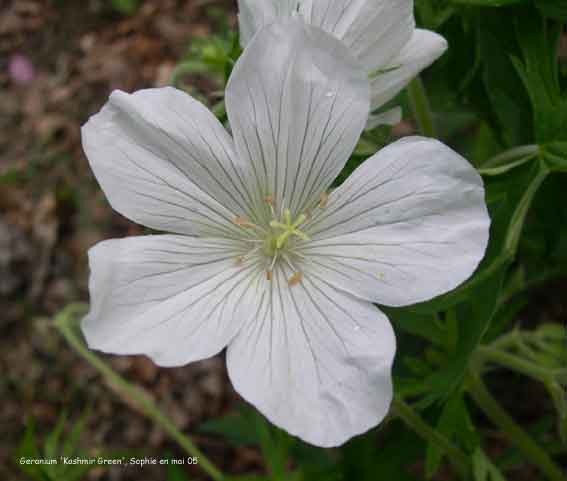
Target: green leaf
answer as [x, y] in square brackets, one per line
[28, 449]
[71, 443]
[275, 444]
[127, 7]
[538, 69]
[484, 469]
[555, 9]
[52, 440]
[555, 156]
[234, 427]
[422, 324]
[455, 423]
[474, 316]
[510, 105]
[176, 473]
[366, 460]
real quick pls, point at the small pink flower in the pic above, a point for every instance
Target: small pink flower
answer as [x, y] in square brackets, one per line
[21, 70]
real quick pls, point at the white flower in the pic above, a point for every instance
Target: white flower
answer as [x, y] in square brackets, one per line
[380, 33]
[263, 260]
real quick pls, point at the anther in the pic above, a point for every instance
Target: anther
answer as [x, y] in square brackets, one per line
[269, 200]
[295, 279]
[324, 200]
[269, 275]
[242, 222]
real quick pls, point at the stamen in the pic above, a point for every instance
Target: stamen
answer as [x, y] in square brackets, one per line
[240, 259]
[269, 275]
[246, 224]
[269, 200]
[273, 262]
[324, 200]
[295, 279]
[242, 222]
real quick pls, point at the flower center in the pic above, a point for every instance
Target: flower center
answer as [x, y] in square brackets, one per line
[282, 232]
[274, 241]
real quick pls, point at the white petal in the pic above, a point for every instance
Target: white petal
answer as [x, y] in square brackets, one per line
[409, 224]
[315, 361]
[390, 117]
[297, 103]
[419, 53]
[374, 30]
[253, 15]
[173, 298]
[164, 161]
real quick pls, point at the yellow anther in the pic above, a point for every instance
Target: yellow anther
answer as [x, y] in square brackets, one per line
[239, 260]
[295, 279]
[269, 200]
[269, 275]
[324, 200]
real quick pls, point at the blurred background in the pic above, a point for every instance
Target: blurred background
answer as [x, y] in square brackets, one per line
[59, 60]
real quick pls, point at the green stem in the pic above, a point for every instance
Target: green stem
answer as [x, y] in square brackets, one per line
[546, 276]
[421, 108]
[452, 330]
[514, 432]
[515, 363]
[519, 215]
[459, 459]
[512, 154]
[149, 408]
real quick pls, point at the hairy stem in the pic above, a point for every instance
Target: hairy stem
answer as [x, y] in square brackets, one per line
[513, 431]
[512, 154]
[516, 363]
[421, 108]
[64, 324]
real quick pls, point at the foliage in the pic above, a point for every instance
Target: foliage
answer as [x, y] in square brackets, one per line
[126, 7]
[56, 446]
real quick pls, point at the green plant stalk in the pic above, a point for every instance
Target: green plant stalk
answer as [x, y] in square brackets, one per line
[512, 154]
[421, 108]
[514, 432]
[456, 457]
[149, 408]
[515, 363]
[519, 216]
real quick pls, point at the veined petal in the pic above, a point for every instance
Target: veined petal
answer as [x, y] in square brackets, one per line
[253, 15]
[374, 30]
[409, 224]
[315, 361]
[297, 103]
[419, 53]
[164, 161]
[173, 298]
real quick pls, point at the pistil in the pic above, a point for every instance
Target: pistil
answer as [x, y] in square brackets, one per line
[290, 228]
